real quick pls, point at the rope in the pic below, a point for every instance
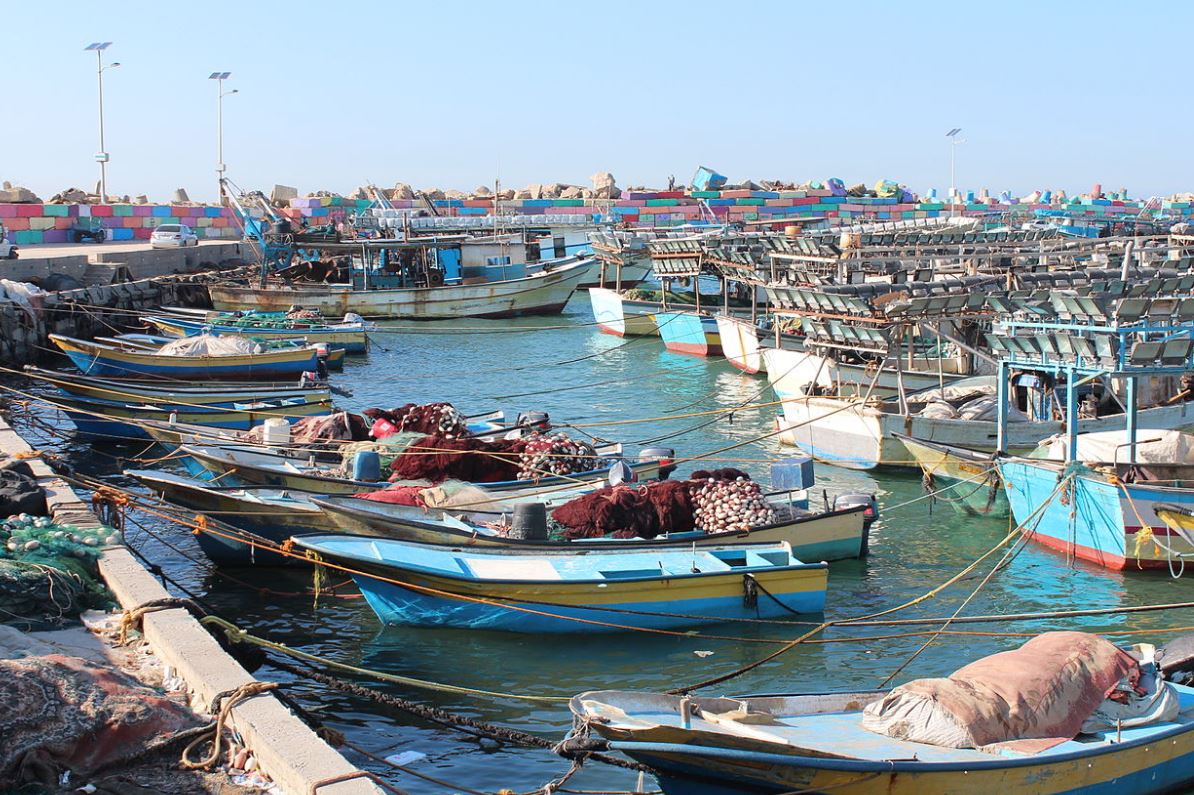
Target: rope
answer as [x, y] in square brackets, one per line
[236, 635]
[224, 702]
[130, 621]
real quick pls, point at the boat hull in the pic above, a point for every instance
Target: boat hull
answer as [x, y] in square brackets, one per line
[837, 535]
[1095, 519]
[206, 463]
[690, 333]
[854, 435]
[790, 371]
[275, 520]
[353, 342]
[965, 480]
[99, 360]
[740, 343]
[111, 420]
[540, 294]
[622, 317]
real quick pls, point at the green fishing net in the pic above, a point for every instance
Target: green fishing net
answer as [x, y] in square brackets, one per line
[49, 572]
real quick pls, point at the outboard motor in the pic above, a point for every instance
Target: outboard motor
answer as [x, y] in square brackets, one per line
[621, 473]
[321, 361]
[664, 455]
[535, 420]
[844, 501]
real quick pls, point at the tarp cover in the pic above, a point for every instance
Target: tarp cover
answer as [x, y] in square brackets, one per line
[210, 345]
[1105, 447]
[1028, 700]
[65, 712]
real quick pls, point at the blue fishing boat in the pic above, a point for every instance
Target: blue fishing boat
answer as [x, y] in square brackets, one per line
[408, 583]
[265, 514]
[116, 361]
[693, 333]
[125, 420]
[193, 393]
[351, 337]
[1102, 514]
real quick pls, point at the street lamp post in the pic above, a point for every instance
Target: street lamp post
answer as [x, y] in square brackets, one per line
[952, 135]
[102, 155]
[220, 77]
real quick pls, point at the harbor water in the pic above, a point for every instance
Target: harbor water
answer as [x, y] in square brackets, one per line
[562, 365]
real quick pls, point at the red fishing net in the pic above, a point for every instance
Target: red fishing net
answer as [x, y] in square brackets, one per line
[440, 419]
[724, 499]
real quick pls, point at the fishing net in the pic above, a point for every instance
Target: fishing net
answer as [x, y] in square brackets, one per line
[387, 449]
[728, 500]
[440, 419]
[554, 454]
[437, 458]
[48, 572]
[628, 511]
[721, 500]
[65, 713]
[210, 345]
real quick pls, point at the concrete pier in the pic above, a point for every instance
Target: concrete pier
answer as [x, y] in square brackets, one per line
[287, 750]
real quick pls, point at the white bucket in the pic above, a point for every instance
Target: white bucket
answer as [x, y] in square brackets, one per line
[277, 432]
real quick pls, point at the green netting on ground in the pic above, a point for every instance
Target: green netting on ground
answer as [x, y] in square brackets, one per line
[48, 572]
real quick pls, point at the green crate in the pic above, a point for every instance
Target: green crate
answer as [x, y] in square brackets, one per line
[122, 210]
[55, 210]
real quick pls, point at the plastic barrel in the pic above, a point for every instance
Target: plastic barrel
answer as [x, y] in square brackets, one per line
[366, 466]
[529, 522]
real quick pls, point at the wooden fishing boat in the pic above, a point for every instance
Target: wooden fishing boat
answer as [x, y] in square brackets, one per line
[621, 316]
[856, 435]
[105, 359]
[829, 536]
[740, 343]
[791, 372]
[263, 512]
[816, 743]
[694, 333]
[351, 337]
[967, 480]
[1097, 517]
[192, 393]
[541, 293]
[116, 420]
[407, 583]
[332, 358]
[258, 466]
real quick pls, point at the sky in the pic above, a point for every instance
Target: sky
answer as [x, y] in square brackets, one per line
[458, 94]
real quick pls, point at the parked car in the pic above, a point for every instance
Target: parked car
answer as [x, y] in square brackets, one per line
[171, 235]
[87, 229]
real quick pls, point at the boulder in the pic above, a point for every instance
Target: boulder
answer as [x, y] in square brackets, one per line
[69, 196]
[283, 193]
[17, 195]
[180, 196]
[602, 179]
[402, 191]
[525, 193]
[362, 192]
[435, 194]
[483, 190]
[611, 192]
[455, 194]
[506, 195]
[142, 199]
[572, 192]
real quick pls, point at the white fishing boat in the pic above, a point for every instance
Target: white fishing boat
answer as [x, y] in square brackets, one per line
[542, 293]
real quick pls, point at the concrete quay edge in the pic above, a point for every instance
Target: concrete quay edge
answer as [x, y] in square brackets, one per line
[287, 750]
